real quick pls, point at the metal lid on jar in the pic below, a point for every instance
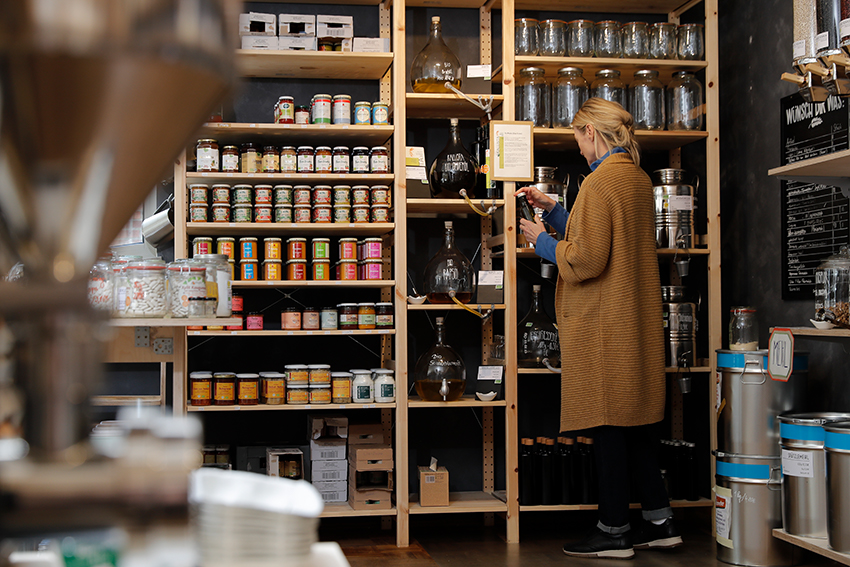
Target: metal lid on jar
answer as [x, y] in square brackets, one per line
[361, 149]
[525, 21]
[305, 148]
[553, 23]
[342, 97]
[223, 374]
[282, 187]
[296, 239]
[379, 148]
[271, 375]
[608, 73]
[225, 185]
[323, 148]
[360, 371]
[248, 146]
[295, 366]
[247, 238]
[200, 375]
[633, 24]
[691, 26]
[215, 257]
[270, 149]
[646, 73]
[608, 23]
[321, 95]
[383, 371]
[242, 186]
[340, 148]
[318, 366]
[532, 71]
[207, 141]
[664, 25]
[287, 149]
[570, 71]
[262, 186]
[340, 374]
[367, 304]
[249, 375]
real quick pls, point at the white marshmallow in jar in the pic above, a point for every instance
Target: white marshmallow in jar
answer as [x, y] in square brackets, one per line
[185, 281]
[146, 293]
[121, 284]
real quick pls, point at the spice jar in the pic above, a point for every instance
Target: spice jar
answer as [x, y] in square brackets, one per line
[320, 394]
[646, 100]
[329, 318]
[297, 394]
[251, 158]
[271, 160]
[310, 319]
[347, 315]
[206, 155]
[306, 159]
[384, 315]
[248, 389]
[360, 160]
[200, 388]
[743, 329]
[224, 388]
[288, 160]
[365, 316]
[291, 319]
[362, 112]
[323, 160]
[273, 389]
[571, 91]
[230, 159]
[533, 97]
[379, 161]
[362, 387]
[384, 386]
[341, 387]
[609, 86]
[525, 36]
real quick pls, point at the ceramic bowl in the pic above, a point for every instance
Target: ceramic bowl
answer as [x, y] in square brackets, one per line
[488, 397]
[416, 299]
[822, 324]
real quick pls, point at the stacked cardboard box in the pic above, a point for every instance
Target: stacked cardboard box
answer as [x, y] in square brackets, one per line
[370, 468]
[328, 434]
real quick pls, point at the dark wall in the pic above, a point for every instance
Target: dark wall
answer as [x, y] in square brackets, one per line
[754, 51]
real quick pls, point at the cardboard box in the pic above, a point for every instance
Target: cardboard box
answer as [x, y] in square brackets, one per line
[370, 480]
[327, 449]
[277, 461]
[329, 470]
[433, 487]
[339, 486]
[366, 434]
[347, 44]
[296, 25]
[331, 497]
[264, 42]
[334, 26]
[296, 43]
[327, 425]
[370, 458]
[251, 459]
[257, 23]
[371, 44]
[370, 499]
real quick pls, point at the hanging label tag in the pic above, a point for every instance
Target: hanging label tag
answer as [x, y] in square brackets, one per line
[798, 48]
[478, 72]
[780, 354]
[822, 41]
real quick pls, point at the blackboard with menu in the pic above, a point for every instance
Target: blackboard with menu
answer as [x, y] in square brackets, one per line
[815, 217]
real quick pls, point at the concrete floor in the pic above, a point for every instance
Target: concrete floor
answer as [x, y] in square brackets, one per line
[462, 540]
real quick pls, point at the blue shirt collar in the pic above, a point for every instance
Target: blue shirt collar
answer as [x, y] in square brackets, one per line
[617, 150]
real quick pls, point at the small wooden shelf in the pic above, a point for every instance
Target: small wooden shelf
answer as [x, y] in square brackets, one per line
[836, 164]
[606, 6]
[538, 371]
[279, 333]
[464, 402]
[564, 138]
[819, 546]
[297, 134]
[627, 67]
[461, 502]
[692, 370]
[287, 229]
[701, 503]
[439, 105]
[290, 178]
[450, 206]
[452, 306]
[344, 510]
[288, 407]
[835, 333]
[312, 64]
[313, 283]
[173, 322]
[118, 401]
[683, 251]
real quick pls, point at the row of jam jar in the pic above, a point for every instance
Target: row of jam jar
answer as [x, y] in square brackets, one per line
[296, 248]
[289, 159]
[344, 317]
[326, 110]
[299, 384]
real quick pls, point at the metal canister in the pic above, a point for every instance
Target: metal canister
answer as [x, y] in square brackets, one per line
[674, 209]
[680, 321]
[837, 447]
[363, 112]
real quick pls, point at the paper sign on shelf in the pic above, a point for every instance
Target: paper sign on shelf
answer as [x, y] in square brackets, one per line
[723, 515]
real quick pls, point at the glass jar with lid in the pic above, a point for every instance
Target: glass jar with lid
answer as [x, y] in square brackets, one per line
[306, 159]
[341, 159]
[646, 100]
[217, 277]
[185, 281]
[230, 159]
[379, 161]
[323, 160]
[608, 39]
[534, 97]
[251, 158]
[609, 86]
[271, 160]
[525, 36]
[147, 288]
[580, 38]
[206, 155]
[690, 41]
[288, 159]
[571, 91]
[360, 160]
[684, 104]
[100, 285]
[384, 386]
[121, 284]
[553, 38]
[662, 40]
[832, 288]
[743, 329]
[635, 38]
[362, 387]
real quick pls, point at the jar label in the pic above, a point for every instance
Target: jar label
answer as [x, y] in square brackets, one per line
[348, 319]
[363, 392]
[380, 196]
[305, 164]
[221, 195]
[843, 30]
[297, 271]
[362, 114]
[275, 389]
[340, 164]
[248, 250]
[230, 163]
[200, 390]
[372, 271]
[360, 164]
[249, 162]
[206, 159]
[271, 272]
[302, 196]
[321, 250]
[100, 293]
[283, 196]
[798, 48]
[248, 391]
[224, 392]
[283, 214]
[321, 271]
[347, 251]
[366, 320]
[288, 163]
[322, 111]
[341, 389]
[387, 391]
[302, 214]
[680, 203]
[380, 164]
[323, 164]
[321, 196]
[380, 115]
[199, 214]
[822, 41]
[263, 196]
[285, 112]
[270, 163]
[298, 396]
[249, 271]
[302, 117]
[320, 395]
[384, 320]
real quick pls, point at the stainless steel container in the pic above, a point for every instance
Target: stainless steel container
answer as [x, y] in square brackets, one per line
[680, 333]
[747, 509]
[749, 401]
[804, 472]
[546, 183]
[837, 447]
[674, 209]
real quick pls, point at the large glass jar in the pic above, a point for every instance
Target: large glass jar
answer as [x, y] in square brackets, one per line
[453, 169]
[100, 285]
[449, 275]
[635, 37]
[217, 278]
[832, 288]
[662, 40]
[609, 86]
[525, 36]
[534, 97]
[147, 288]
[690, 42]
[571, 91]
[684, 102]
[646, 100]
[440, 374]
[121, 285]
[538, 336]
[580, 38]
[743, 329]
[828, 18]
[805, 29]
[553, 38]
[608, 39]
[435, 65]
[185, 280]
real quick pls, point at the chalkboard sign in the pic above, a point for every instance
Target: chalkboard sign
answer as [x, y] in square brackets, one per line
[815, 217]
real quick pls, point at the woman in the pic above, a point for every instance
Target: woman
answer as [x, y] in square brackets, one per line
[608, 305]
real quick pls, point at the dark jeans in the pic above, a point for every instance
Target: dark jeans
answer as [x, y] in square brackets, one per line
[622, 452]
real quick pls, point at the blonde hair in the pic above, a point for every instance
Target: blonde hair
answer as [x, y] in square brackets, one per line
[612, 122]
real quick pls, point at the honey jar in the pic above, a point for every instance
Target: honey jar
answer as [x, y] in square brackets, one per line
[296, 270]
[200, 388]
[272, 270]
[224, 389]
[248, 389]
[296, 374]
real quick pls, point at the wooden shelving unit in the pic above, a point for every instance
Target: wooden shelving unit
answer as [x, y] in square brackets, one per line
[312, 64]
[172, 322]
[461, 502]
[271, 333]
[291, 134]
[292, 178]
[359, 284]
[627, 67]
[701, 503]
[289, 407]
[344, 510]
[430, 106]
[815, 545]
[464, 402]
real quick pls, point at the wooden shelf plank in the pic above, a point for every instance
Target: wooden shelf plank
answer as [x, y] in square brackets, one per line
[430, 106]
[312, 64]
[680, 251]
[118, 401]
[278, 333]
[627, 67]
[287, 229]
[290, 178]
[288, 407]
[451, 306]
[344, 510]
[607, 6]
[313, 283]
[695, 369]
[564, 138]
[464, 402]
[449, 206]
[297, 134]
[173, 322]
[836, 164]
[701, 503]
[821, 333]
[819, 546]
[343, 2]
[541, 371]
[461, 502]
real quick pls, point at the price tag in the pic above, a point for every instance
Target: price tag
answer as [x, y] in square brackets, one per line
[822, 41]
[780, 354]
[797, 463]
[478, 72]
[798, 48]
[681, 203]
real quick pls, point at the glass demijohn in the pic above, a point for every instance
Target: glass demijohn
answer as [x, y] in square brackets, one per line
[454, 169]
[538, 336]
[435, 65]
[440, 375]
[449, 274]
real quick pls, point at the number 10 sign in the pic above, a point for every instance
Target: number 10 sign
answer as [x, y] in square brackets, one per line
[780, 354]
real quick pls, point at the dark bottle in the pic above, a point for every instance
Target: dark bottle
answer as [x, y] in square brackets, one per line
[526, 473]
[454, 169]
[565, 458]
[524, 208]
[584, 472]
[440, 374]
[546, 473]
[592, 482]
[691, 474]
[538, 336]
[539, 449]
[485, 186]
[675, 470]
[449, 274]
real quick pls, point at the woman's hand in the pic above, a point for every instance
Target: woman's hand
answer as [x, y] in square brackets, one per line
[537, 199]
[531, 230]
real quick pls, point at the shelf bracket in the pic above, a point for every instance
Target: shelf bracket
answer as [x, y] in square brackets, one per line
[486, 107]
[842, 183]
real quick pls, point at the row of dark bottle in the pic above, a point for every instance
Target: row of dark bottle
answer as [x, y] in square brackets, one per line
[557, 474]
[678, 462]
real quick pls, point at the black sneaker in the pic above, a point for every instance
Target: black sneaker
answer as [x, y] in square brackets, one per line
[662, 536]
[601, 544]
